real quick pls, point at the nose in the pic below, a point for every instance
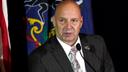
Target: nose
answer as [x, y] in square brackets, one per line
[68, 25]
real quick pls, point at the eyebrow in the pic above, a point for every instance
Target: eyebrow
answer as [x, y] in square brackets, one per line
[66, 18]
[62, 17]
[75, 18]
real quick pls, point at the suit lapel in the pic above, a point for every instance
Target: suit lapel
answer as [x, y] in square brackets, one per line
[89, 56]
[60, 57]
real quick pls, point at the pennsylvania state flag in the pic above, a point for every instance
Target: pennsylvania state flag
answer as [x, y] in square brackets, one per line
[39, 27]
[37, 23]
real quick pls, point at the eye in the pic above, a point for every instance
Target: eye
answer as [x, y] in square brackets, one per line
[75, 21]
[62, 20]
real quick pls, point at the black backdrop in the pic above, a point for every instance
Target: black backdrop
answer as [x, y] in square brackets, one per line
[106, 24]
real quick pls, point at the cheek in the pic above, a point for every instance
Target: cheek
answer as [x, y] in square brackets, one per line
[59, 29]
[77, 28]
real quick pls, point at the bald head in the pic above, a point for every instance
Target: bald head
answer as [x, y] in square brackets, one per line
[67, 4]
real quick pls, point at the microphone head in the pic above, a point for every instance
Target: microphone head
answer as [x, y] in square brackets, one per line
[78, 46]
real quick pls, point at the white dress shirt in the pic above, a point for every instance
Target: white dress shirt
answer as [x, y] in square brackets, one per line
[67, 49]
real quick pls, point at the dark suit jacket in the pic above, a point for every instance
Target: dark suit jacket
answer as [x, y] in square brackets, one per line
[51, 57]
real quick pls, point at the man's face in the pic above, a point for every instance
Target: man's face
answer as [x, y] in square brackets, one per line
[68, 22]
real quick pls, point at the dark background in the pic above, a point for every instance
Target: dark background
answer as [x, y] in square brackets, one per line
[106, 23]
[106, 18]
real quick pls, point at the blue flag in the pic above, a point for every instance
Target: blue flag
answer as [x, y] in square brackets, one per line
[37, 23]
[86, 11]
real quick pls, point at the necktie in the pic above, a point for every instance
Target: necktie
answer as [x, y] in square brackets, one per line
[74, 63]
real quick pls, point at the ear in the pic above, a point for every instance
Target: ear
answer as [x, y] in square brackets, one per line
[53, 20]
[81, 21]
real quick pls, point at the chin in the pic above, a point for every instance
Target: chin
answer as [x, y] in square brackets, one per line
[69, 39]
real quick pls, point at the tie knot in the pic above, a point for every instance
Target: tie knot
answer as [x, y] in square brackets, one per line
[74, 50]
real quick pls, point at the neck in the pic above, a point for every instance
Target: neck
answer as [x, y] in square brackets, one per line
[71, 43]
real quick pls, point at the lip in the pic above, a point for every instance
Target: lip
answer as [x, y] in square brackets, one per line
[67, 34]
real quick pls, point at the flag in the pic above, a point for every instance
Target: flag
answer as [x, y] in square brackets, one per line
[86, 12]
[5, 36]
[2, 68]
[37, 23]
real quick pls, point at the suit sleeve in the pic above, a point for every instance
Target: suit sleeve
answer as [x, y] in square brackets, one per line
[34, 63]
[107, 61]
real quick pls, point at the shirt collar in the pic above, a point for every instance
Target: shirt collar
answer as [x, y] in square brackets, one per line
[66, 47]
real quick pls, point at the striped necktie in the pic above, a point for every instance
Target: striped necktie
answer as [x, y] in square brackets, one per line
[74, 63]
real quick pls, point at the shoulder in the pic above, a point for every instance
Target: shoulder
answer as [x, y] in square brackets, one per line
[40, 55]
[44, 49]
[91, 38]
[95, 42]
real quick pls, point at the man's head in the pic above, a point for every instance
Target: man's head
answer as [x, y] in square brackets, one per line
[67, 21]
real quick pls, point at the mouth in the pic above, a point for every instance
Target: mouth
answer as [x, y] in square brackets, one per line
[67, 34]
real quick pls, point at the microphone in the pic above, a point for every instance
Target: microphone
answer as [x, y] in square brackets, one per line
[78, 47]
[87, 48]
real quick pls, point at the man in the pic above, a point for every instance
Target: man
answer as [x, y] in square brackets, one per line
[55, 54]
